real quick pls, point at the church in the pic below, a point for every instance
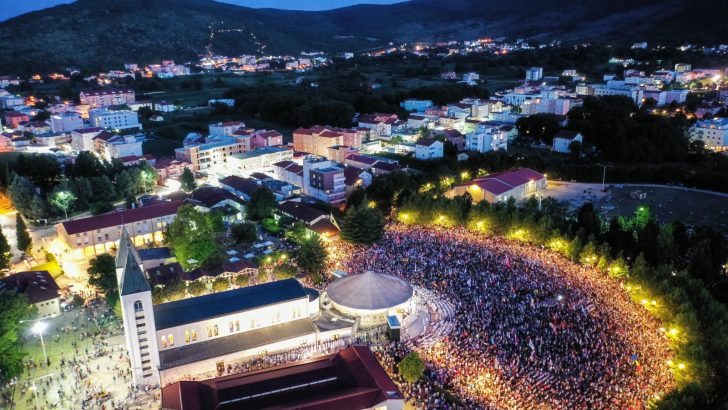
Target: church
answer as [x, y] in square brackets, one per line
[176, 340]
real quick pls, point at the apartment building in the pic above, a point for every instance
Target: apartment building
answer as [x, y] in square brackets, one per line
[317, 139]
[105, 98]
[324, 179]
[99, 234]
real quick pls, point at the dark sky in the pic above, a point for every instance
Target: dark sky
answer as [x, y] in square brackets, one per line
[12, 8]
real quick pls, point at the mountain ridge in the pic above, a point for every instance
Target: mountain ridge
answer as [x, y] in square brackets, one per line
[106, 33]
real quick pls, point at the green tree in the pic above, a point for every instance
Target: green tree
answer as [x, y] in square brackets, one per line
[187, 180]
[102, 275]
[24, 241]
[242, 280]
[312, 257]
[63, 200]
[149, 176]
[15, 310]
[192, 236]
[284, 271]
[363, 225]
[5, 254]
[220, 284]
[244, 233]
[261, 204]
[22, 192]
[196, 288]
[411, 367]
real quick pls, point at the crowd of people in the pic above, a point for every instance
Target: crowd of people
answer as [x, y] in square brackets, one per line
[87, 374]
[531, 329]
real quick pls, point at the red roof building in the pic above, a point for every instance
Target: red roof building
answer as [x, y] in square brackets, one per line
[498, 187]
[351, 379]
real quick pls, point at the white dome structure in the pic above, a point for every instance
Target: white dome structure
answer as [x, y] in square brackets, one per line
[370, 296]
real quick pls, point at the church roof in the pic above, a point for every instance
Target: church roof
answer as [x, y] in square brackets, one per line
[199, 308]
[125, 247]
[132, 278]
[225, 345]
[370, 291]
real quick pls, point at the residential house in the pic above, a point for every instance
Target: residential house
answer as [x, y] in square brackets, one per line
[499, 187]
[40, 289]
[563, 140]
[109, 146]
[290, 172]
[114, 119]
[486, 138]
[429, 148]
[712, 132]
[14, 118]
[83, 139]
[315, 220]
[66, 121]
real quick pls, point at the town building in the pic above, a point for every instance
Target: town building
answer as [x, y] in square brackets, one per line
[499, 187]
[416, 105]
[83, 139]
[534, 74]
[105, 98]
[14, 118]
[317, 139]
[114, 119]
[315, 220]
[211, 155]
[99, 234]
[355, 381]
[39, 288]
[324, 180]
[290, 172]
[257, 160]
[66, 121]
[486, 138]
[563, 140]
[109, 146]
[429, 148]
[712, 132]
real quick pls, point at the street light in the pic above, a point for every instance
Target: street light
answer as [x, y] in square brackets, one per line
[38, 328]
[35, 389]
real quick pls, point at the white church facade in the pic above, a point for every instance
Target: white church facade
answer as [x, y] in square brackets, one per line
[173, 341]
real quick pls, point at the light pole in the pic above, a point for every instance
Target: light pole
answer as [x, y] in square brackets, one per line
[604, 175]
[38, 328]
[35, 389]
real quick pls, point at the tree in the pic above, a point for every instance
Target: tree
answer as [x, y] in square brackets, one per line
[5, 254]
[261, 204]
[196, 288]
[244, 233]
[149, 175]
[15, 312]
[102, 275]
[242, 280]
[187, 180]
[220, 284]
[284, 271]
[21, 193]
[192, 235]
[87, 165]
[363, 225]
[312, 257]
[411, 367]
[24, 241]
[63, 200]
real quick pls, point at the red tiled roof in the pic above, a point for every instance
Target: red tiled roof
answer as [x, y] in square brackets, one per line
[244, 185]
[426, 142]
[351, 174]
[115, 218]
[37, 286]
[361, 383]
[502, 182]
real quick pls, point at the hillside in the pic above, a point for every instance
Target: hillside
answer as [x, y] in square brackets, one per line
[105, 33]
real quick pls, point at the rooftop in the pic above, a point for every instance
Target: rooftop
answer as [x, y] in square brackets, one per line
[192, 310]
[37, 286]
[127, 216]
[351, 379]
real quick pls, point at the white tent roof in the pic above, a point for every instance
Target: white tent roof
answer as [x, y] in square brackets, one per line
[370, 291]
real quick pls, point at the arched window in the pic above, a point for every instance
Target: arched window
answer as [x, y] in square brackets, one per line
[138, 306]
